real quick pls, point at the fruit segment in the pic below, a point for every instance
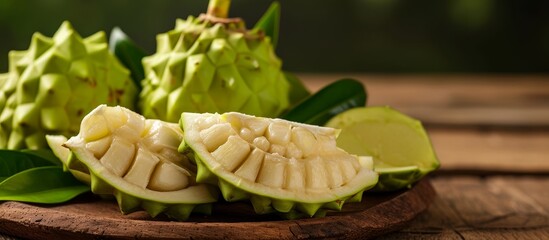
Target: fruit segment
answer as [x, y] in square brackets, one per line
[276, 159]
[141, 171]
[137, 161]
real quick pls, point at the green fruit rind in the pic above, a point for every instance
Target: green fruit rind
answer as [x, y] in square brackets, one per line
[136, 161]
[400, 147]
[205, 66]
[80, 172]
[52, 85]
[230, 152]
[178, 205]
[395, 178]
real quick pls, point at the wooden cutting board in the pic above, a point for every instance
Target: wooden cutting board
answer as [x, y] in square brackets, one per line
[90, 218]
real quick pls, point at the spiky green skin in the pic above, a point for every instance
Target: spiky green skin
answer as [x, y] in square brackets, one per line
[103, 183]
[264, 204]
[204, 67]
[50, 87]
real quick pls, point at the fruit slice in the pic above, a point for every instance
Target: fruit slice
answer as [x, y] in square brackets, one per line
[280, 166]
[400, 146]
[137, 161]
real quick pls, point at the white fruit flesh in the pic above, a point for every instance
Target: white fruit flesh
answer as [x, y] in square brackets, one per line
[137, 155]
[277, 158]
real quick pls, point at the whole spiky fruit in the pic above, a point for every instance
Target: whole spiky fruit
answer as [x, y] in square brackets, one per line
[213, 64]
[51, 86]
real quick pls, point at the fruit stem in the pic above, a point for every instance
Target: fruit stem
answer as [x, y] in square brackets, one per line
[219, 8]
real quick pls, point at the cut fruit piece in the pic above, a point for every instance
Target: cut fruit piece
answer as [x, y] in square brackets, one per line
[267, 167]
[138, 162]
[399, 144]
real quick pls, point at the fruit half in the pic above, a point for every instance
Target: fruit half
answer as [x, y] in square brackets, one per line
[280, 166]
[137, 161]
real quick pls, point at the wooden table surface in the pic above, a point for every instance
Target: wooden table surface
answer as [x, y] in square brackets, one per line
[491, 134]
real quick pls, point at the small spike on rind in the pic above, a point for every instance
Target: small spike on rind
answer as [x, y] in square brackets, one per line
[230, 193]
[153, 208]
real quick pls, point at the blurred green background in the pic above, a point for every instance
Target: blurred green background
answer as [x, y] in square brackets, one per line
[371, 36]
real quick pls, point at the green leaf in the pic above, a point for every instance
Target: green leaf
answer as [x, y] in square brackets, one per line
[128, 53]
[13, 162]
[329, 101]
[46, 154]
[269, 23]
[47, 185]
[298, 91]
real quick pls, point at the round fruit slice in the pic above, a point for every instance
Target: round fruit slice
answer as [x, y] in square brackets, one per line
[137, 161]
[400, 146]
[281, 166]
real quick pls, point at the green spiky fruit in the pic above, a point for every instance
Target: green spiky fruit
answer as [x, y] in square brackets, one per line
[280, 166]
[213, 64]
[137, 161]
[399, 144]
[51, 86]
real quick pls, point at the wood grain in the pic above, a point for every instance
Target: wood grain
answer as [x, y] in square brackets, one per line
[377, 214]
[464, 100]
[495, 207]
[479, 124]
[472, 207]
[489, 151]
